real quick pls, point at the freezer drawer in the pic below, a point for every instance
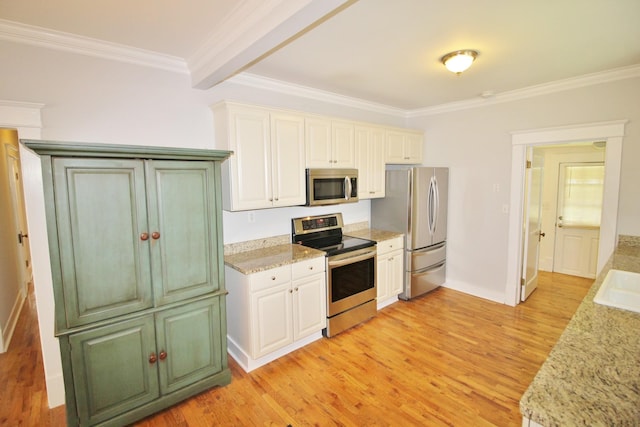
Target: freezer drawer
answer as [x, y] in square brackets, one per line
[423, 281]
[427, 257]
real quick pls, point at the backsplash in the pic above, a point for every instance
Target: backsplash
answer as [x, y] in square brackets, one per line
[250, 245]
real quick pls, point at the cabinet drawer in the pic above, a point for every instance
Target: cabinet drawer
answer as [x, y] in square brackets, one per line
[308, 267]
[390, 245]
[272, 277]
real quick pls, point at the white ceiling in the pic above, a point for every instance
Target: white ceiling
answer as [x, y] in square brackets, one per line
[381, 51]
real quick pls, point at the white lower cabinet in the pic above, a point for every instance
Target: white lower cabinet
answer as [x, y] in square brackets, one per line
[273, 312]
[390, 274]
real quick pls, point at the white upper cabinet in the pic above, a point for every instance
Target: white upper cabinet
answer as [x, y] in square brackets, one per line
[329, 143]
[287, 159]
[403, 146]
[370, 161]
[266, 168]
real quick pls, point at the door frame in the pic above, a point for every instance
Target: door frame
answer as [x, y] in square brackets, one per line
[612, 132]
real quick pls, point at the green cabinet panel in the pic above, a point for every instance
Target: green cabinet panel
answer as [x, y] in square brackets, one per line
[190, 336]
[111, 369]
[101, 209]
[181, 208]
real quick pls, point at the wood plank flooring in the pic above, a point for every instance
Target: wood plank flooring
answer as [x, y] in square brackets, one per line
[445, 359]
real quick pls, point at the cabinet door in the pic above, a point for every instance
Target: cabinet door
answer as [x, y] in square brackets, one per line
[101, 212]
[189, 344]
[318, 142]
[382, 276]
[287, 159]
[394, 147]
[112, 372]
[309, 305]
[344, 148]
[395, 276]
[182, 210]
[250, 163]
[413, 148]
[271, 319]
[370, 162]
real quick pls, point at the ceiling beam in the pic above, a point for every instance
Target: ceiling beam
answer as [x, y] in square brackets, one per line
[254, 29]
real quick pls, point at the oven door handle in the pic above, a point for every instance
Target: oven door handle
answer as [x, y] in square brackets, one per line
[351, 259]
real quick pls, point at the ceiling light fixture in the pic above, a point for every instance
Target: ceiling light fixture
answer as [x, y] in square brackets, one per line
[458, 61]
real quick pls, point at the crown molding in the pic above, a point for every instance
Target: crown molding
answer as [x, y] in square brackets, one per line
[20, 114]
[38, 36]
[629, 72]
[286, 88]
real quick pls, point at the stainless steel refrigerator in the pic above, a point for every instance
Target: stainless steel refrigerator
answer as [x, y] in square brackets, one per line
[415, 204]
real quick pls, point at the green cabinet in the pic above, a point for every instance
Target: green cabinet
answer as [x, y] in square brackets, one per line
[135, 237]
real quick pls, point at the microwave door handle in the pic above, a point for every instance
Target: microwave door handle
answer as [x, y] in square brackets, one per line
[347, 188]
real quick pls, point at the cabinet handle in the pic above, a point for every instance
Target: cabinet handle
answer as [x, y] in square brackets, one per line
[144, 236]
[162, 355]
[152, 358]
[155, 235]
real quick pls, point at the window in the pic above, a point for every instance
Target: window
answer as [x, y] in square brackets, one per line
[581, 186]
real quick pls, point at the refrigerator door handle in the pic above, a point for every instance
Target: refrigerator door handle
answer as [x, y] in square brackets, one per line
[430, 206]
[429, 249]
[436, 204]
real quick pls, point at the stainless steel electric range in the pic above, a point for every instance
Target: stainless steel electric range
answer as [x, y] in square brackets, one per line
[351, 269]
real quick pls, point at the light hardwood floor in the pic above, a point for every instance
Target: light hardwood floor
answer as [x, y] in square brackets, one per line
[443, 359]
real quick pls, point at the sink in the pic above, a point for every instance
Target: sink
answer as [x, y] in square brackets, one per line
[620, 289]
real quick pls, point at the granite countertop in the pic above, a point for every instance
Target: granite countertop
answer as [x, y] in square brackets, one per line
[592, 375]
[256, 260]
[263, 254]
[373, 234]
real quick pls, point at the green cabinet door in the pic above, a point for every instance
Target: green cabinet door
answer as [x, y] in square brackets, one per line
[182, 214]
[112, 370]
[101, 213]
[191, 344]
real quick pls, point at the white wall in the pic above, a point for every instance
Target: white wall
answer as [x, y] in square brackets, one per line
[476, 145]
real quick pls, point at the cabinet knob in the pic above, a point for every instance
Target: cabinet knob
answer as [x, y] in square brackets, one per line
[144, 236]
[290, 291]
[162, 355]
[311, 267]
[296, 289]
[273, 277]
[155, 235]
[152, 358]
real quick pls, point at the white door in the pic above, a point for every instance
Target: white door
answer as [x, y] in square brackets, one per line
[19, 215]
[532, 222]
[580, 187]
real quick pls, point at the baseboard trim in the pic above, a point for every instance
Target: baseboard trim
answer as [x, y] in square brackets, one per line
[475, 291]
[9, 328]
[55, 390]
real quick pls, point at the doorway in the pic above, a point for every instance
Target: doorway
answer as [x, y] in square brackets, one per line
[612, 134]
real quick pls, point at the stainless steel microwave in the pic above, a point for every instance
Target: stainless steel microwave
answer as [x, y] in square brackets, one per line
[331, 186]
